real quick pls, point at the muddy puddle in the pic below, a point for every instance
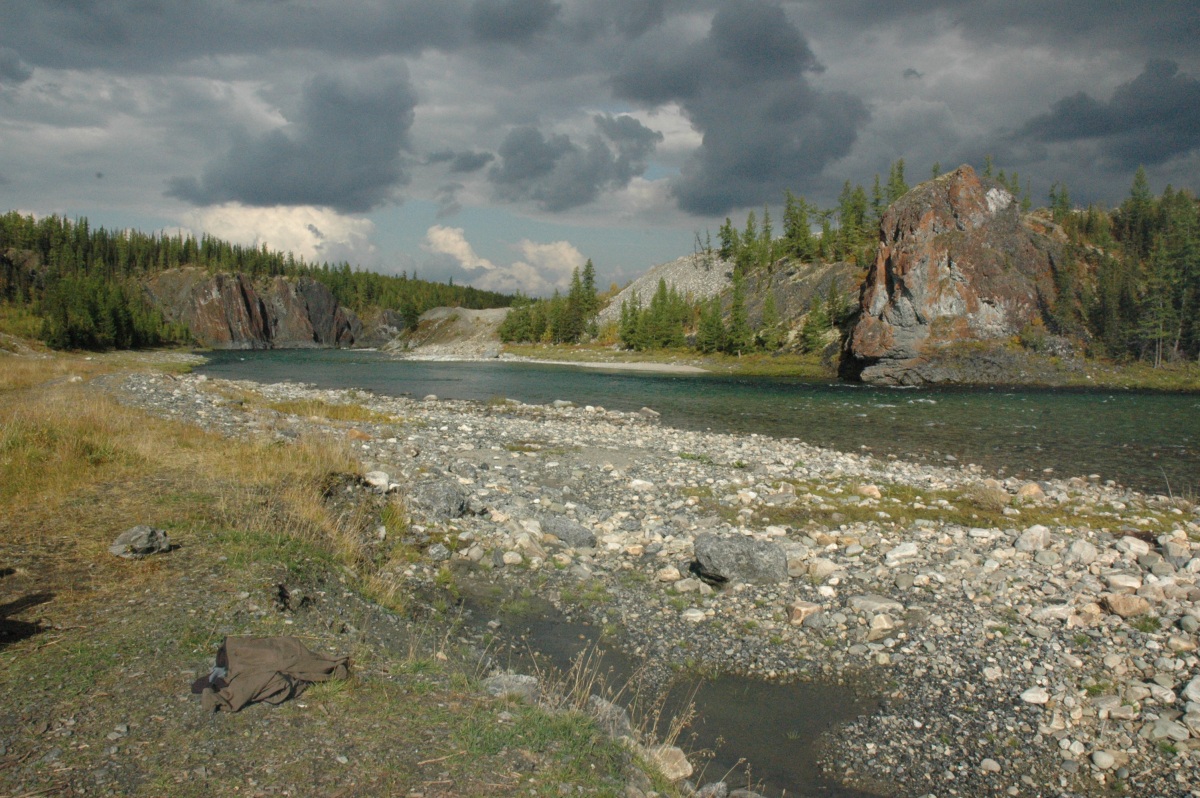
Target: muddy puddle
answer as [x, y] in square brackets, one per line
[750, 733]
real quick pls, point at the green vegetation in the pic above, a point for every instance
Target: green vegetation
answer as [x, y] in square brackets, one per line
[1130, 285]
[557, 320]
[83, 284]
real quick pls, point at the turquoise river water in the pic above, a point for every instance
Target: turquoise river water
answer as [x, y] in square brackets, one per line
[1145, 440]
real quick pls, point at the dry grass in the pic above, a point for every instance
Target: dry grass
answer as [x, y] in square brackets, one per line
[329, 410]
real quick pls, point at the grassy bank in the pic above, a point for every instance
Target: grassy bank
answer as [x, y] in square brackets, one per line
[1030, 368]
[97, 653]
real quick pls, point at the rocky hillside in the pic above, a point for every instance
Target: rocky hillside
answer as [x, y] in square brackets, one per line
[956, 263]
[453, 332]
[229, 311]
[695, 276]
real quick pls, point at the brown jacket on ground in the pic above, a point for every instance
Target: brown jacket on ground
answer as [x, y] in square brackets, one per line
[271, 669]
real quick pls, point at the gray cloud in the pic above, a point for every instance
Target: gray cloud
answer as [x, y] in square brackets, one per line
[137, 35]
[11, 68]
[344, 151]
[461, 163]
[559, 174]
[1152, 118]
[744, 87]
[510, 21]
[1154, 27]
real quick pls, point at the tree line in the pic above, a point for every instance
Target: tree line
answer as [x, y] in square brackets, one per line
[1129, 284]
[85, 282]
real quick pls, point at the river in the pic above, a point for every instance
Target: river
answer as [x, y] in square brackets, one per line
[1146, 440]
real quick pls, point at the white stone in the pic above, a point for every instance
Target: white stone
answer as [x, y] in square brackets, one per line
[1036, 695]
[1033, 539]
[905, 552]
[1192, 691]
[693, 615]
[1135, 546]
[874, 604]
[670, 761]
[641, 485]
[989, 765]
[669, 574]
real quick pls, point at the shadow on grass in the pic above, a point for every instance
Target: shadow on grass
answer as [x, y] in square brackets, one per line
[13, 631]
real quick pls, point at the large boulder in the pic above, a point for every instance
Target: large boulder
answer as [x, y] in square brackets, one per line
[956, 263]
[574, 534]
[739, 560]
[436, 500]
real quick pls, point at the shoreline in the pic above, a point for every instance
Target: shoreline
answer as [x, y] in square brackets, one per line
[996, 610]
[660, 368]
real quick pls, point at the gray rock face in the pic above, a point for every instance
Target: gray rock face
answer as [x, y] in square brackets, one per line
[436, 501]
[231, 311]
[740, 560]
[574, 534]
[140, 541]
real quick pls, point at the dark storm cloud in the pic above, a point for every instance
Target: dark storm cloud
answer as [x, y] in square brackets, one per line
[11, 68]
[1151, 119]
[743, 86]
[344, 151]
[510, 21]
[137, 35]
[559, 174]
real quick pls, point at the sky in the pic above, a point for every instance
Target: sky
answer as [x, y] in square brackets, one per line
[503, 142]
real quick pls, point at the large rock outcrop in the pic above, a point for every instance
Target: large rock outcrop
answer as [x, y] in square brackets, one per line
[228, 311]
[956, 263]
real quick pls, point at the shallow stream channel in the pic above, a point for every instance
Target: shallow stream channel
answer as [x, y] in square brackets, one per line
[752, 734]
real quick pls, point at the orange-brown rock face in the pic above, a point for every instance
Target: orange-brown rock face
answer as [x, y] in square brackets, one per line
[227, 311]
[955, 263]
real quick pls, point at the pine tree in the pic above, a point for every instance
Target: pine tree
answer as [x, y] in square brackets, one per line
[769, 334]
[738, 337]
[710, 337]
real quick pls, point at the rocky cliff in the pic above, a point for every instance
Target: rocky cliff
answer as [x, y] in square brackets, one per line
[228, 311]
[956, 263]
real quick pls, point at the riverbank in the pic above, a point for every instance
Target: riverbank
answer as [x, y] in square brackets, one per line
[1037, 637]
[999, 366]
[1025, 638]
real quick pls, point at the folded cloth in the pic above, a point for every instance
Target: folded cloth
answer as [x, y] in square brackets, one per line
[270, 669]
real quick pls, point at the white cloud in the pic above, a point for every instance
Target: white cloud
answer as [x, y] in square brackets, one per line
[539, 269]
[315, 234]
[442, 240]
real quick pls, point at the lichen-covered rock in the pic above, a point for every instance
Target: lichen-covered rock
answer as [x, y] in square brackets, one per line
[955, 264]
[740, 560]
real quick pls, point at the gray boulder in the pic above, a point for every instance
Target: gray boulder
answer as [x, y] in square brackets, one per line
[740, 560]
[574, 534]
[140, 541]
[436, 501]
